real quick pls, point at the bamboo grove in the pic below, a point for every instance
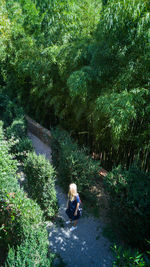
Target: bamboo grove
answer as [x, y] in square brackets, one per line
[84, 65]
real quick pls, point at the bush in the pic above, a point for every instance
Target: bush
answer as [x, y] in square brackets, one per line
[32, 252]
[40, 178]
[17, 211]
[129, 258]
[20, 216]
[129, 193]
[8, 167]
[18, 129]
[73, 163]
[19, 143]
[3, 101]
[11, 112]
[20, 148]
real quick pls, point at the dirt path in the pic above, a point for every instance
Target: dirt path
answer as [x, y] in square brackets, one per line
[84, 247]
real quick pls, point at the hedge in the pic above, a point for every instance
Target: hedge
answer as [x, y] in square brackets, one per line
[40, 180]
[15, 127]
[129, 201]
[20, 216]
[73, 164]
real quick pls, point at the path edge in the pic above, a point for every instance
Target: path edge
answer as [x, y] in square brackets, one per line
[35, 128]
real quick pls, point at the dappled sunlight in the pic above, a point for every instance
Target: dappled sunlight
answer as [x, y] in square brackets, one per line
[85, 246]
[80, 248]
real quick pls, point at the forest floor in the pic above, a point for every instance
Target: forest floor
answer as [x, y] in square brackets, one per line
[86, 246]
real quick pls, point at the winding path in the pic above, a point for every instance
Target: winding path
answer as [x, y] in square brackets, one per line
[84, 247]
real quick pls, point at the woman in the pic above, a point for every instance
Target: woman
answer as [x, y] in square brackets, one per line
[73, 204]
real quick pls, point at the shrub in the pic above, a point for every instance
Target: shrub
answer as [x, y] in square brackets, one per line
[3, 101]
[22, 144]
[15, 122]
[32, 252]
[73, 163]
[19, 214]
[21, 218]
[129, 258]
[11, 112]
[20, 148]
[40, 178]
[17, 211]
[17, 129]
[8, 167]
[129, 203]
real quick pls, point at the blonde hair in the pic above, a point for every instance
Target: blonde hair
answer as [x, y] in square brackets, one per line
[72, 191]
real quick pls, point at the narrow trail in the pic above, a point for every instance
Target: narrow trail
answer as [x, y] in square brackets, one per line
[84, 247]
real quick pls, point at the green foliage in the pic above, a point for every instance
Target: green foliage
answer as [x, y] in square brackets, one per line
[73, 163]
[20, 148]
[120, 110]
[129, 201]
[40, 178]
[67, 21]
[31, 252]
[5, 32]
[14, 118]
[14, 203]
[129, 258]
[84, 64]
[17, 129]
[11, 112]
[19, 214]
[3, 100]
[21, 218]
[120, 58]
[8, 167]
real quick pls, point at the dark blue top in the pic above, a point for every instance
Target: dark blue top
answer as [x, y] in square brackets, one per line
[72, 207]
[73, 204]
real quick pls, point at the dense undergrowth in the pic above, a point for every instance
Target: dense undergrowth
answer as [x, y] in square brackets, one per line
[73, 163]
[23, 234]
[129, 200]
[129, 197]
[40, 179]
[21, 222]
[84, 65]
